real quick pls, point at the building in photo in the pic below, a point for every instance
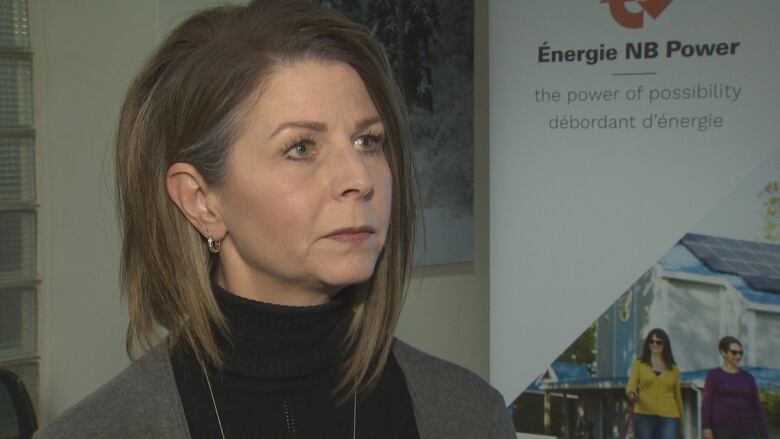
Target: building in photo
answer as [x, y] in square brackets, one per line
[702, 289]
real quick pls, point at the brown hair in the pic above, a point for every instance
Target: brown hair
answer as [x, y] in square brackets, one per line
[666, 354]
[187, 105]
[725, 343]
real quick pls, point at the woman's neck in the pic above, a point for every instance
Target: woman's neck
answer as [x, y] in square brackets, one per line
[272, 341]
[657, 361]
[729, 368]
[276, 294]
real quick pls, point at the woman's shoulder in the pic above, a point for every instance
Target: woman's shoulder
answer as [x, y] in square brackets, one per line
[450, 398]
[435, 372]
[747, 376]
[714, 372]
[638, 364]
[141, 400]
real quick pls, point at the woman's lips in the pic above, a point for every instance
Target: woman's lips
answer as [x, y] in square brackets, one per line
[352, 234]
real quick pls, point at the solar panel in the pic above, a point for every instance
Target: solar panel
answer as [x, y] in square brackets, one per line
[763, 283]
[757, 263]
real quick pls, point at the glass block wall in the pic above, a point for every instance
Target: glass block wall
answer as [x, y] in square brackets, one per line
[18, 215]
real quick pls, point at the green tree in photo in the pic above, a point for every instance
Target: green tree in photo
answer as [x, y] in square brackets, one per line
[770, 402]
[583, 350]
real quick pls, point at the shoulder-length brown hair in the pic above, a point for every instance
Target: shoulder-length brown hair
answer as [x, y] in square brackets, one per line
[187, 104]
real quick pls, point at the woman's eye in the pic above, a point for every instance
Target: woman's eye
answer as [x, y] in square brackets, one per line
[300, 150]
[369, 142]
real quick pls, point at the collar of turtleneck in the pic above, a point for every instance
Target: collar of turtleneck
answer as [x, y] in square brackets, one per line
[281, 342]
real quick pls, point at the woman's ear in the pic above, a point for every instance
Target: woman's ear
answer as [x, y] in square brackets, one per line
[190, 192]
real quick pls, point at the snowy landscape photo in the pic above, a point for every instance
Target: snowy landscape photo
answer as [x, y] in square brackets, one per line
[430, 46]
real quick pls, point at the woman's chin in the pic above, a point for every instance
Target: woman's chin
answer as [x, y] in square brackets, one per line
[337, 280]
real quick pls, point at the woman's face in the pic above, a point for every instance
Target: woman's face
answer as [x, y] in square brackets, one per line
[306, 203]
[733, 355]
[656, 344]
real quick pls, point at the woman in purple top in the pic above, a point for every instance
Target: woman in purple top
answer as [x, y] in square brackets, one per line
[730, 407]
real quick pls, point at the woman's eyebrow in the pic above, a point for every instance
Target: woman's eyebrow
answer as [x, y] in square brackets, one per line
[365, 123]
[307, 124]
[322, 127]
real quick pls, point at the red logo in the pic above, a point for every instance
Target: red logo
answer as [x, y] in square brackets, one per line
[635, 20]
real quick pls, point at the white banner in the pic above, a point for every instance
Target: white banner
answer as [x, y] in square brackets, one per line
[615, 126]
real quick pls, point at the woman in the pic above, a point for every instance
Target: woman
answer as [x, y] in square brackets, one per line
[730, 406]
[266, 195]
[654, 388]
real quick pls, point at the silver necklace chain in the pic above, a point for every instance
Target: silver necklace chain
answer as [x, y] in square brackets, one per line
[219, 420]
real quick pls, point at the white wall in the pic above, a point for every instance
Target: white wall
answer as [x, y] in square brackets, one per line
[86, 52]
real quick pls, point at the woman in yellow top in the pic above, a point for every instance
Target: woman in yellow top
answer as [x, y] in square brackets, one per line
[654, 385]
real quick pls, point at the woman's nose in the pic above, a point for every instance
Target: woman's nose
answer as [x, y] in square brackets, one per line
[352, 176]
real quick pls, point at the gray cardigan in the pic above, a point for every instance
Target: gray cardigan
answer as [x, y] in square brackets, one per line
[143, 402]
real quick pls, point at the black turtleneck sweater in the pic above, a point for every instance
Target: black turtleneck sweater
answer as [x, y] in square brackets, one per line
[281, 367]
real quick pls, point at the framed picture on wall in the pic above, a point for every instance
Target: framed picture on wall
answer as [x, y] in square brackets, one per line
[430, 45]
